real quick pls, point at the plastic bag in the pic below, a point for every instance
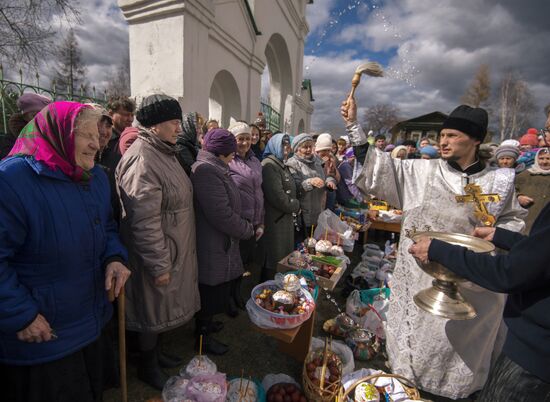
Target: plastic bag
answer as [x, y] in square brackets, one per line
[330, 224]
[369, 308]
[305, 274]
[199, 365]
[175, 389]
[341, 349]
[392, 386]
[207, 388]
[272, 379]
[254, 391]
[270, 320]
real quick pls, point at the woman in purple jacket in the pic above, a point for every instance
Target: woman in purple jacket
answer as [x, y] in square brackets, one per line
[220, 227]
[246, 171]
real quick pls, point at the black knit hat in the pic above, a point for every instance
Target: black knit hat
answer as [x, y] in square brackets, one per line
[158, 108]
[469, 120]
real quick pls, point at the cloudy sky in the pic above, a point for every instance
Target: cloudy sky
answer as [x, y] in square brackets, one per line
[430, 50]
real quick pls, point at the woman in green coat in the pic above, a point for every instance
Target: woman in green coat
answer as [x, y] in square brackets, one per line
[281, 205]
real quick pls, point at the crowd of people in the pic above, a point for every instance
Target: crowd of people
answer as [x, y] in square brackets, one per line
[175, 208]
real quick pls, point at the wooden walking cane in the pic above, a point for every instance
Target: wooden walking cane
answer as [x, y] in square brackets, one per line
[121, 338]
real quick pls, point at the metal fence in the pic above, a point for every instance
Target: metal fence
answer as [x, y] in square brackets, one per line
[11, 90]
[272, 117]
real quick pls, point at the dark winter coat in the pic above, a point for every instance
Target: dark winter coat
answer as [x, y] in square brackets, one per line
[187, 145]
[280, 203]
[219, 222]
[537, 187]
[109, 159]
[7, 140]
[524, 274]
[56, 237]
[247, 175]
[16, 124]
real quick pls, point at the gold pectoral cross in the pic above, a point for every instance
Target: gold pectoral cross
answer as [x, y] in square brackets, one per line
[474, 194]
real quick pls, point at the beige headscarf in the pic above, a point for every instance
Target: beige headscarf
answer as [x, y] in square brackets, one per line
[396, 150]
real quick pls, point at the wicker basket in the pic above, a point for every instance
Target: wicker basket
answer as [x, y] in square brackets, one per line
[407, 384]
[321, 392]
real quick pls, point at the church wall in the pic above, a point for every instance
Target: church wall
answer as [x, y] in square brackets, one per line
[219, 58]
[179, 47]
[197, 83]
[156, 52]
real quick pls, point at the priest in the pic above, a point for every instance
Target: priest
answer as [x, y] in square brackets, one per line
[450, 358]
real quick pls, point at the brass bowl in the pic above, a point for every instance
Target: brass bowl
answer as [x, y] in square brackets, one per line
[443, 298]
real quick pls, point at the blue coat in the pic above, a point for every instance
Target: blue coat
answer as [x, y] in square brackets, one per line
[56, 237]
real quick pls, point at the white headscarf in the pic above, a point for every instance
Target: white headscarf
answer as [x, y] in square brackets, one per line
[536, 169]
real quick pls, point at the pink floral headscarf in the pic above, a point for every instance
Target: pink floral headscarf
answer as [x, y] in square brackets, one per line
[49, 138]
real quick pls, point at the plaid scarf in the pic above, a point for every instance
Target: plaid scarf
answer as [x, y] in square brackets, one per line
[49, 138]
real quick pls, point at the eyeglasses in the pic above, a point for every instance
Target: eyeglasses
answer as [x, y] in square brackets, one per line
[544, 131]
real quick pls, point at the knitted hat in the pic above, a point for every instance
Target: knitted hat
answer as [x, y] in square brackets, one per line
[469, 120]
[389, 148]
[512, 142]
[299, 139]
[34, 103]
[530, 138]
[219, 141]
[157, 109]
[238, 127]
[430, 151]
[324, 142]
[507, 150]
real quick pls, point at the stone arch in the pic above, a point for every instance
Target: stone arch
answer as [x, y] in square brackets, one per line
[301, 126]
[225, 99]
[280, 75]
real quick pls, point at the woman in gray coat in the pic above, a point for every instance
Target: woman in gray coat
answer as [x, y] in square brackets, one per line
[158, 228]
[281, 205]
[311, 181]
[220, 227]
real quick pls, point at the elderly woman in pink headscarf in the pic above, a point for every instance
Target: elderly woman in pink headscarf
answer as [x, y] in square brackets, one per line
[59, 253]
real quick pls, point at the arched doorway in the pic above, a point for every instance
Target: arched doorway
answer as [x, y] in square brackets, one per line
[279, 69]
[225, 100]
[301, 126]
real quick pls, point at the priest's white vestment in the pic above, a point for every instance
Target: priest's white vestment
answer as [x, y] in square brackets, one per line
[445, 357]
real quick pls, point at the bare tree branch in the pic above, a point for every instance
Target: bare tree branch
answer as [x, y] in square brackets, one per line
[27, 28]
[516, 106]
[381, 117]
[479, 91]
